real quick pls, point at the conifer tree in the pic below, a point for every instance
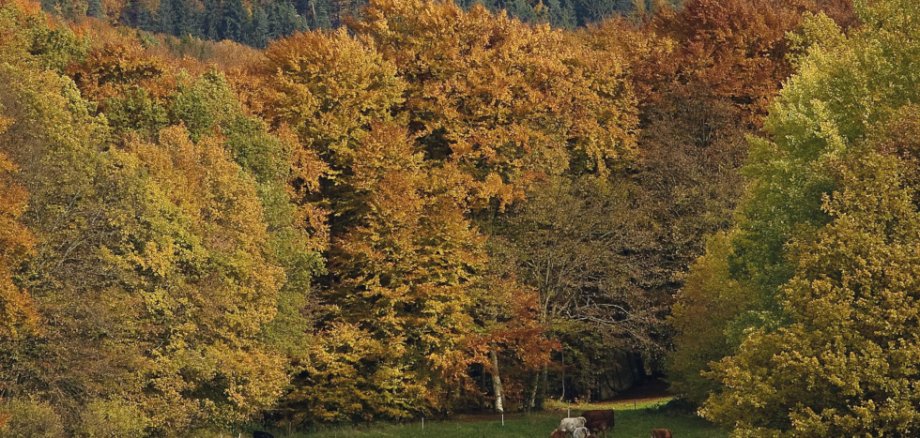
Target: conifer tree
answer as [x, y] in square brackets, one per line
[259, 26]
[95, 9]
[234, 20]
[212, 19]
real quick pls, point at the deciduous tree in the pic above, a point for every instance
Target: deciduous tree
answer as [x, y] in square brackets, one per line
[16, 241]
[845, 364]
[825, 241]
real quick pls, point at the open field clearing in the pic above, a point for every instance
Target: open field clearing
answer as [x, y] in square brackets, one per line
[630, 422]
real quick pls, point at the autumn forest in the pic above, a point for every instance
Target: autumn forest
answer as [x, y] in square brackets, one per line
[223, 213]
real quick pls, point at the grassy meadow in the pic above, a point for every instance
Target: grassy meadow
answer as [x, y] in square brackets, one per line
[633, 419]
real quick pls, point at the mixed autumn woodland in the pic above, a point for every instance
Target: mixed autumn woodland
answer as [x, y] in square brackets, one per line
[230, 212]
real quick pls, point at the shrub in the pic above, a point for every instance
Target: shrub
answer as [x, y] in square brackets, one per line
[116, 419]
[30, 419]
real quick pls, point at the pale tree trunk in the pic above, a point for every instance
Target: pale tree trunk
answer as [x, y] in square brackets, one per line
[544, 387]
[497, 383]
[533, 391]
[562, 396]
[541, 379]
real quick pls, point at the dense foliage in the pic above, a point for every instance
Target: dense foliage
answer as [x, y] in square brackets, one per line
[812, 298]
[431, 206]
[257, 22]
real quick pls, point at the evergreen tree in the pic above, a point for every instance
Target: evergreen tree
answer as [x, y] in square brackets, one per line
[95, 9]
[178, 17]
[561, 13]
[589, 11]
[234, 20]
[167, 17]
[318, 13]
[187, 18]
[212, 19]
[522, 10]
[259, 33]
[284, 20]
[69, 9]
[135, 13]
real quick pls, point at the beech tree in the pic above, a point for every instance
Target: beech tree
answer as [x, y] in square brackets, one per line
[845, 363]
[705, 79]
[156, 294]
[15, 243]
[504, 100]
[711, 291]
[212, 289]
[570, 240]
[830, 202]
[337, 124]
[407, 258]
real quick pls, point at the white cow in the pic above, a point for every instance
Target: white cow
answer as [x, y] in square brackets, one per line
[568, 425]
[581, 432]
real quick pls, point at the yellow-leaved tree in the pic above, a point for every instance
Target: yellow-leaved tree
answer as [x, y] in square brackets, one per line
[152, 269]
[504, 100]
[825, 247]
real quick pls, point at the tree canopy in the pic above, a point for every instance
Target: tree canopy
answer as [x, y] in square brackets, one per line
[824, 247]
[291, 213]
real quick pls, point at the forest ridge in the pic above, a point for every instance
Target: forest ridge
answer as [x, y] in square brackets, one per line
[430, 207]
[260, 21]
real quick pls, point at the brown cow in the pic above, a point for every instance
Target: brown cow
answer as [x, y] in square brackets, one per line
[558, 434]
[599, 420]
[661, 433]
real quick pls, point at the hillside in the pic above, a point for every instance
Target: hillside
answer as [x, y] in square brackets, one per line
[430, 209]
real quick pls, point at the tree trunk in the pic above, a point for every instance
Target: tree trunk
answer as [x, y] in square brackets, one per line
[562, 396]
[497, 383]
[544, 388]
[532, 403]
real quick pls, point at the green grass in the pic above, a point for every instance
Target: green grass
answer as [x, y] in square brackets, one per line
[630, 422]
[631, 405]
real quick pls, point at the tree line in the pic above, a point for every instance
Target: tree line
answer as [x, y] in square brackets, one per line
[258, 22]
[442, 207]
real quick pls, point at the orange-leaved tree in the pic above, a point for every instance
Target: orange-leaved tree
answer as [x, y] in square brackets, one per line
[16, 241]
[506, 101]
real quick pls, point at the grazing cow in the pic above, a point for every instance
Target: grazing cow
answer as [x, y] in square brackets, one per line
[558, 434]
[599, 420]
[568, 425]
[260, 434]
[661, 433]
[582, 432]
